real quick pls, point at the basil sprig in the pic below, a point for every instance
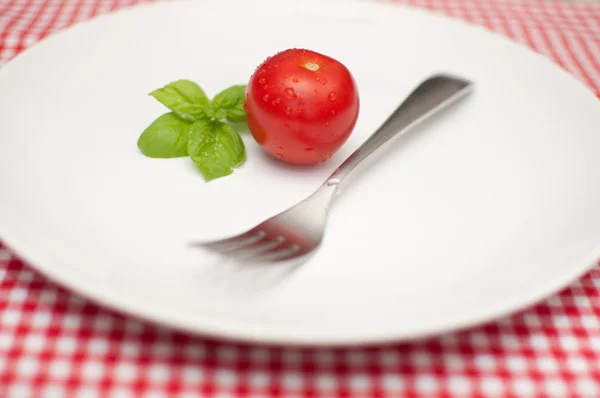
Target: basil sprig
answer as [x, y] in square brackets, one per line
[197, 127]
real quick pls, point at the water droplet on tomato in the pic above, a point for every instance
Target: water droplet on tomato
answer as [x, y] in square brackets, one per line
[287, 126]
[332, 112]
[298, 110]
[279, 147]
[308, 149]
[262, 80]
[295, 80]
[326, 124]
[288, 110]
[266, 97]
[332, 96]
[277, 100]
[279, 155]
[318, 78]
[324, 81]
[265, 86]
[290, 93]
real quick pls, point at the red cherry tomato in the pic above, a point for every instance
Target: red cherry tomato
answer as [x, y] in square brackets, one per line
[301, 106]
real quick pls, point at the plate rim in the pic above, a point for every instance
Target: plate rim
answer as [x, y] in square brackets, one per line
[16, 241]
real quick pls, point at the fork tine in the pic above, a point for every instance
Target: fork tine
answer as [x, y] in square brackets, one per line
[256, 249]
[279, 254]
[235, 242]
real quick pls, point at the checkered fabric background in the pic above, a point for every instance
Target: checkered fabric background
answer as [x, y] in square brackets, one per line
[55, 344]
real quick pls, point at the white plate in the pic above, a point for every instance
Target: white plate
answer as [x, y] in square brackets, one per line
[489, 208]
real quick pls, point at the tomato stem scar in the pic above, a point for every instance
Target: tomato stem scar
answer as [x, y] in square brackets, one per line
[312, 67]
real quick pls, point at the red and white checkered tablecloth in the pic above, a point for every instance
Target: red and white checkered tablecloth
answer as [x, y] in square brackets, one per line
[55, 344]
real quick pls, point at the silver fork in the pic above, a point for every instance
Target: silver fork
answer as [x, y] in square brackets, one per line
[298, 231]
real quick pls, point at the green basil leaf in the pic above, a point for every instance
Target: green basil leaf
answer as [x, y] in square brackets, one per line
[220, 114]
[209, 112]
[201, 134]
[166, 137]
[216, 148]
[231, 101]
[236, 114]
[230, 98]
[183, 97]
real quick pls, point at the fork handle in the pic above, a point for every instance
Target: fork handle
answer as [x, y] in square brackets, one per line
[431, 96]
